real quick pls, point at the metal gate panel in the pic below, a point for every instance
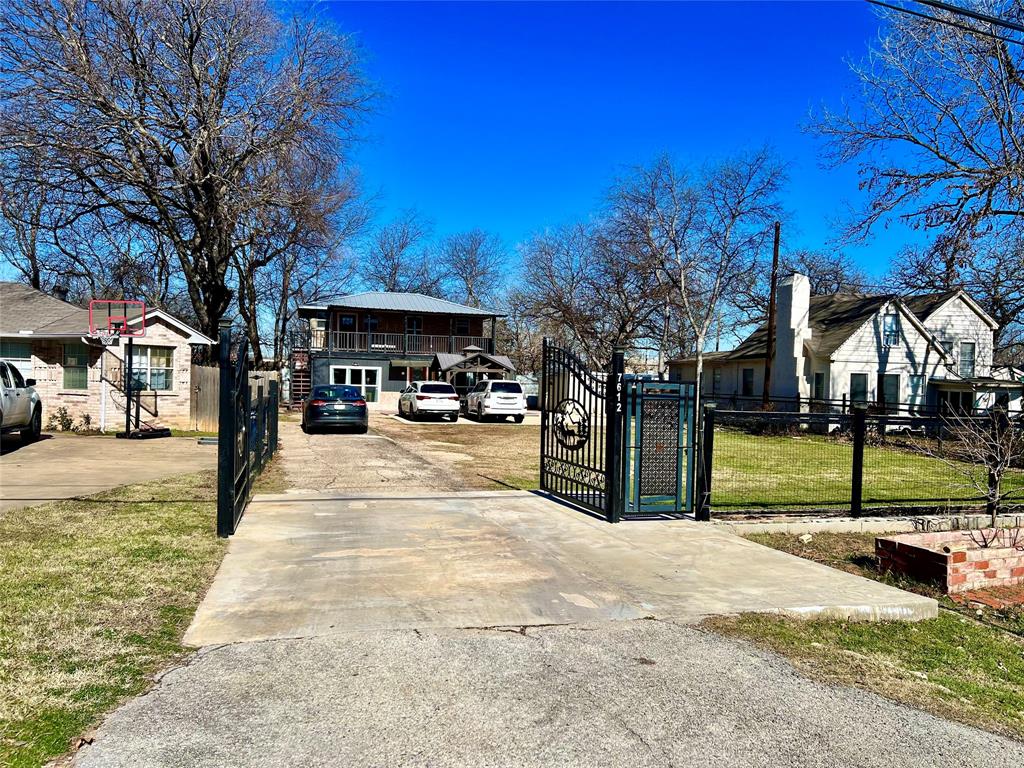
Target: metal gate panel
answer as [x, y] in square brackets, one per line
[659, 444]
[580, 431]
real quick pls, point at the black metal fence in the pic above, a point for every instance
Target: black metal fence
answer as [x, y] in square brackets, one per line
[247, 431]
[857, 463]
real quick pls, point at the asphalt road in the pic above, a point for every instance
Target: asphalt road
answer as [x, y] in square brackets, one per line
[636, 693]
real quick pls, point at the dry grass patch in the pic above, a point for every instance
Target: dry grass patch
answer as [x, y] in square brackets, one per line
[951, 666]
[489, 456]
[97, 594]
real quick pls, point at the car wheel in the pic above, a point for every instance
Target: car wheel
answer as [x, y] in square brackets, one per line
[480, 413]
[455, 417]
[35, 427]
[519, 419]
[362, 429]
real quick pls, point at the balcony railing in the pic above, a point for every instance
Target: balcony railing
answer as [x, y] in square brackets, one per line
[390, 343]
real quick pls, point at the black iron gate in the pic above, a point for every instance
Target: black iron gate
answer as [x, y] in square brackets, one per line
[246, 435]
[617, 447]
[581, 431]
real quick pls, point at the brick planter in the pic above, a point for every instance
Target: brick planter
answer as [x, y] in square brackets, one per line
[952, 560]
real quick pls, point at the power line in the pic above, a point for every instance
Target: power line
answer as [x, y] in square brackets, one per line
[951, 23]
[956, 9]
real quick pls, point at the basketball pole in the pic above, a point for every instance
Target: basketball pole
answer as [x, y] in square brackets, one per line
[128, 388]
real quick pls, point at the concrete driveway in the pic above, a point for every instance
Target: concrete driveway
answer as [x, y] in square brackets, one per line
[66, 466]
[356, 627]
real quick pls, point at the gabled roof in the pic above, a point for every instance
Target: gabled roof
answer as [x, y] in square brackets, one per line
[836, 317]
[833, 319]
[24, 311]
[446, 361]
[400, 302]
[194, 336]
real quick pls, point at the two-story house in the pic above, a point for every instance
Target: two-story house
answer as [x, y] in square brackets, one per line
[924, 353]
[382, 341]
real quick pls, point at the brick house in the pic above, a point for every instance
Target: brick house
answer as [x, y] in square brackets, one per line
[48, 340]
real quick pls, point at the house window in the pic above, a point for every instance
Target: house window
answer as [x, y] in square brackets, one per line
[890, 330]
[889, 392]
[403, 373]
[956, 403]
[915, 390]
[748, 382]
[967, 359]
[369, 323]
[366, 380]
[19, 355]
[819, 385]
[947, 346]
[152, 368]
[858, 387]
[461, 326]
[414, 325]
[716, 381]
[76, 366]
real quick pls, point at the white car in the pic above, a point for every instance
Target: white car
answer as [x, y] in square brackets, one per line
[429, 398]
[497, 398]
[21, 409]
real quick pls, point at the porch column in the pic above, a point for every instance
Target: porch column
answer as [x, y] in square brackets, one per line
[494, 335]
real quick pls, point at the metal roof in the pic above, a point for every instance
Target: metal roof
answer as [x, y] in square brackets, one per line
[400, 302]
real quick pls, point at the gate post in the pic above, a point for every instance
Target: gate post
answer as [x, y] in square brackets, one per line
[860, 412]
[542, 403]
[225, 436]
[274, 406]
[614, 396]
[704, 467]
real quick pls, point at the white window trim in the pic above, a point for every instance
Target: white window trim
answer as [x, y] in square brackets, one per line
[974, 359]
[137, 348]
[361, 387]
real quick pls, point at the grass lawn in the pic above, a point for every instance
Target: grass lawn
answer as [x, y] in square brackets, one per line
[963, 665]
[812, 471]
[96, 596]
[489, 456]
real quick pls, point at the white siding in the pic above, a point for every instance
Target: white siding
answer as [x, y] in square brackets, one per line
[864, 352]
[956, 322]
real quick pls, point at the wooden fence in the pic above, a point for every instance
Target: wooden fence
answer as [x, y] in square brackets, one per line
[204, 406]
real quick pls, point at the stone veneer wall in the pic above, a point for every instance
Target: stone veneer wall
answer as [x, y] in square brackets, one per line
[965, 567]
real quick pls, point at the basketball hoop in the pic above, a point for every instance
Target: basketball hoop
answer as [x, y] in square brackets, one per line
[108, 336]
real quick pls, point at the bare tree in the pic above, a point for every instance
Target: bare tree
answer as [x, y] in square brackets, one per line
[935, 125]
[161, 114]
[398, 258]
[983, 451]
[828, 272]
[990, 270]
[520, 333]
[473, 264]
[700, 232]
[587, 291]
[296, 238]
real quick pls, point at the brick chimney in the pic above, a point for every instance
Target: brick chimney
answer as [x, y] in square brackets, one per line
[791, 331]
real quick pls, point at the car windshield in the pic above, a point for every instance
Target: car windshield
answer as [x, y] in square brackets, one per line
[506, 386]
[336, 393]
[438, 389]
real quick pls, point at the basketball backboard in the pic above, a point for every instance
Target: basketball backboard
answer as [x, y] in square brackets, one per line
[117, 317]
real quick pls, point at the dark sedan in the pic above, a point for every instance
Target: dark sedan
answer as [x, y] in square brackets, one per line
[334, 406]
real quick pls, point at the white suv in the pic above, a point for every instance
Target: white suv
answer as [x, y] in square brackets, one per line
[426, 398]
[20, 407]
[498, 398]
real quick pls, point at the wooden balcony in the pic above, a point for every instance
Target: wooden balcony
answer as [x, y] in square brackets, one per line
[390, 343]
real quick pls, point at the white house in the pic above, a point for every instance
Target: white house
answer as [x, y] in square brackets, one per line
[931, 352]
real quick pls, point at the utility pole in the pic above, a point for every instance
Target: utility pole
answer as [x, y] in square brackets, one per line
[770, 351]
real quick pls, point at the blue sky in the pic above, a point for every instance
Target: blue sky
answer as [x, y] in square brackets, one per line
[516, 116]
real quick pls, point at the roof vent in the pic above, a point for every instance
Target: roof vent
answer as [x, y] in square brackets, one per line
[472, 349]
[60, 292]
